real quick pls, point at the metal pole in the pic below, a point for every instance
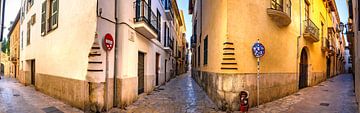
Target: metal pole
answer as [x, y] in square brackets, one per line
[258, 81]
[2, 19]
[106, 80]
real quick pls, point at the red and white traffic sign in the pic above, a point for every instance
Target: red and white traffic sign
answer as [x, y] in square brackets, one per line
[108, 42]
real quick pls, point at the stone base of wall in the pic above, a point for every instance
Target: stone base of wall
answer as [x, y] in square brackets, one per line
[316, 78]
[224, 89]
[127, 91]
[71, 91]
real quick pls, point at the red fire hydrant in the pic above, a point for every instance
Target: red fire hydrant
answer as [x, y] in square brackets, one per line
[244, 101]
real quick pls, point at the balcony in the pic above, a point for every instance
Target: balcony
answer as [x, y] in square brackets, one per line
[168, 45]
[311, 31]
[168, 10]
[145, 20]
[279, 14]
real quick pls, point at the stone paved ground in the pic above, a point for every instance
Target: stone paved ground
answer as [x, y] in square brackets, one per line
[17, 98]
[180, 95]
[332, 96]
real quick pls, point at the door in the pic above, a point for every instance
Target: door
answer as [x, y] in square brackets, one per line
[32, 72]
[328, 64]
[141, 66]
[15, 70]
[303, 70]
[157, 68]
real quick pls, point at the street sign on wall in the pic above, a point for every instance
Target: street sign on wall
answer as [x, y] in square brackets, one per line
[108, 42]
[258, 49]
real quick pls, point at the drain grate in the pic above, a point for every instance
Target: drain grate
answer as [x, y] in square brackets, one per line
[16, 95]
[51, 109]
[324, 104]
[297, 94]
[325, 90]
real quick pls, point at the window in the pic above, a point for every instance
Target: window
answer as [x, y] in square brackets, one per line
[28, 33]
[206, 50]
[49, 16]
[54, 14]
[29, 4]
[159, 25]
[43, 18]
[165, 34]
[277, 4]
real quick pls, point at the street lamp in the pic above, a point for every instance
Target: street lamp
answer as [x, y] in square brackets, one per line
[342, 26]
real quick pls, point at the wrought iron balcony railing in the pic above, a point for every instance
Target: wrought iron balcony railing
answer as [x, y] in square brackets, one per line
[144, 13]
[311, 31]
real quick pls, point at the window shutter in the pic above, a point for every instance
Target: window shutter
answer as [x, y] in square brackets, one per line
[54, 14]
[43, 18]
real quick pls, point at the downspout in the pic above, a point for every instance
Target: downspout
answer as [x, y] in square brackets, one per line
[2, 19]
[297, 42]
[116, 55]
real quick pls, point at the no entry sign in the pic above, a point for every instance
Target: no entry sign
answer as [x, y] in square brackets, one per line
[108, 42]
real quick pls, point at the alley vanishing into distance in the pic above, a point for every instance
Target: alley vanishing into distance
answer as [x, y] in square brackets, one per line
[183, 95]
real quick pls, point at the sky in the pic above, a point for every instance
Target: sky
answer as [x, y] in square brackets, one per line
[184, 5]
[11, 9]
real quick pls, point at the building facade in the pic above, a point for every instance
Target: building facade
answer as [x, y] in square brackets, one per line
[353, 35]
[14, 37]
[63, 55]
[296, 35]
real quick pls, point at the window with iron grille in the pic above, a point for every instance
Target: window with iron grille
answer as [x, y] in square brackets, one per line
[206, 50]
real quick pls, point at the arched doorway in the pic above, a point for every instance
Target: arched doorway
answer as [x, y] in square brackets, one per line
[303, 77]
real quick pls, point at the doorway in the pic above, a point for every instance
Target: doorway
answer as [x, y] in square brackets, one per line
[328, 64]
[303, 69]
[141, 66]
[32, 72]
[157, 69]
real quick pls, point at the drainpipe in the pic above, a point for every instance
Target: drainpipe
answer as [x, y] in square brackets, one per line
[116, 55]
[2, 19]
[298, 41]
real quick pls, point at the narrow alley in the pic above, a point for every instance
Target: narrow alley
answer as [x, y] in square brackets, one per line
[180, 95]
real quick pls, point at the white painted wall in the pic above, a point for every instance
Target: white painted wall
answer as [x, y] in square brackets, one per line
[63, 51]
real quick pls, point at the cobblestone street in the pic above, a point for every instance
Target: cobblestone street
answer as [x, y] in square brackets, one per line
[17, 98]
[332, 96]
[183, 95]
[180, 95]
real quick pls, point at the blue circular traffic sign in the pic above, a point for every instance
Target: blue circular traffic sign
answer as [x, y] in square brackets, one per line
[258, 50]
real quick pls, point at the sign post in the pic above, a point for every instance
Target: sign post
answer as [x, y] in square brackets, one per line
[258, 51]
[108, 43]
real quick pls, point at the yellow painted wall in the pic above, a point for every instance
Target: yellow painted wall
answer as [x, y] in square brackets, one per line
[244, 22]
